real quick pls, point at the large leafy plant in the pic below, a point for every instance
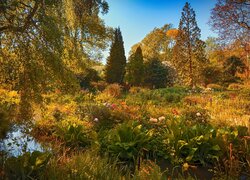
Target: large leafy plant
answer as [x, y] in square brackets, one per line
[197, 144]
[128, 142]
[26, 166]
[76, 135]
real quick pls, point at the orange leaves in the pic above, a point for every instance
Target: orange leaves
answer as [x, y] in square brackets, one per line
[172, 33]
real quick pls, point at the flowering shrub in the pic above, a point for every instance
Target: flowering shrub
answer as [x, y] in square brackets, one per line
[195, 115]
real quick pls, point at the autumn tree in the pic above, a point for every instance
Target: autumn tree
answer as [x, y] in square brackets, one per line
[43, 43]
[189, 50]
[116, 62]
[135, 68]
[156, 44]
[230, 18]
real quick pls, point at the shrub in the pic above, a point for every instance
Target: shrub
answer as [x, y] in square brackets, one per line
[215, 87]
[100, 85]
[113, 90]
[211, 74]
[195, 144]
[245, 94]
[100, 115]
[88, 76]
[26, 166]
[4, 124]
[193, 100]
[235, 86]
[134, 90]
[86, 165]
[127, 143]
[196, 115]
[75, 135]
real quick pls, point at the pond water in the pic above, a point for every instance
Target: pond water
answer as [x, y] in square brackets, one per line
[19, 141]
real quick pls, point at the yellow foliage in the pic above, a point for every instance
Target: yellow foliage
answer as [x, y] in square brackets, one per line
[172, 33]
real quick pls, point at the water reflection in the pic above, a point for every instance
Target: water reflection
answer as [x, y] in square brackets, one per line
[19, 141]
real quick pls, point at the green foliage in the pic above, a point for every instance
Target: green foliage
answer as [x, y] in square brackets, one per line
[76, 136]
[87, 165]
[211, 75]
[87, 77]
[192, 144]
[156, 74]
[4, 124]
[195, 115]
[158, 96]
[27, 166]
[45, 55]
[127, 143]
[231, 66]
[135, 68]
[116, 62]
[100, 115]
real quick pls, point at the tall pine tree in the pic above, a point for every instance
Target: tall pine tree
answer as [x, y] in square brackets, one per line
[135, 68]
[189, 51]
[116, 62]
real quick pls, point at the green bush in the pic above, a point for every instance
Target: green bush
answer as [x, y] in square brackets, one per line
[127, 143]
[211, 74]
[76, 136]
[100, 115]
[4, 124]
[196, 115]
[86, 165]
[195, 144]
[26, 166]
[88, 76]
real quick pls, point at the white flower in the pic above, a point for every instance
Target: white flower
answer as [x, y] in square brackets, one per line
[153, 120]
[198, 114]
[96, 120]
[162, 118]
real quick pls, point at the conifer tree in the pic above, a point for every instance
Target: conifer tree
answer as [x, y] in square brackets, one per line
[135, 69]
[116, 62]
[189, 50]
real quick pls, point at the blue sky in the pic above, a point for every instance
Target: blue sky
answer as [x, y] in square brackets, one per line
[137, 18]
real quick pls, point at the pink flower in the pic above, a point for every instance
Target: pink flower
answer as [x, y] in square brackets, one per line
[162, 118]
[96, 120]
[153, 120]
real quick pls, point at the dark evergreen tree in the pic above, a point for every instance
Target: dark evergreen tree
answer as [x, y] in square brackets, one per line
[135, 69]
[189, 50]
[116, 62]
[231, 67]
[155, 74]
